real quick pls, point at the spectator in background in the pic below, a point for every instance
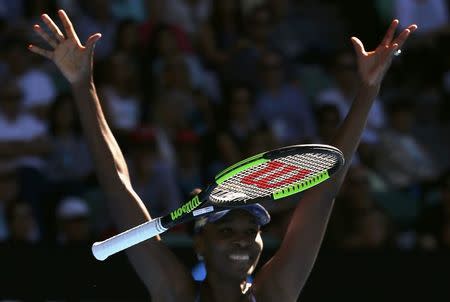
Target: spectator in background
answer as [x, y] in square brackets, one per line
[24, 143]
[69, 164]
[189, 173]
[188, 14]
[9, 192]
[358, 222]
[281, 106]
[151, 176]
[38, 89]
[74, 226]
[202, 119]
[121, 94]
[239, 121]
[165, 50]
[135, 10]
[299, 28]
[328, 119]
[96, 15]
[244, 62]
[220, 35]
[401, 159]
[169, 115]
[431, 15]
[22, 224]
[342, 69]
[127, 41]
[434, 222]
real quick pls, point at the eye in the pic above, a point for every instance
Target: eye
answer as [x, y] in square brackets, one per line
[225, 231]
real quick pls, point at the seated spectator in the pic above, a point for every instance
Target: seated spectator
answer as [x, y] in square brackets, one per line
[97, 16]
[219, 37]
[38, 89]
[401, 159]
[9, 192]
[22, 224]
[328, 119]
[74, 226]
[150, 174]
[237, 118]
[431, 15]
[243, 64]
[24, 143]
[189, 15]
[358, 222]
[282, 106]
[163, 50]
[189, 173]
[434, 222]
[69, 164]
[121, 94]
[342, 70]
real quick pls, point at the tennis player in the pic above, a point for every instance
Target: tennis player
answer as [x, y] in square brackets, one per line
[230, 242]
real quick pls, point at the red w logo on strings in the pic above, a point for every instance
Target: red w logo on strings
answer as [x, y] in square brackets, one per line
[266, 178]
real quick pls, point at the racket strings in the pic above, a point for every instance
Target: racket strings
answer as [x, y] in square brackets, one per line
[264, 179]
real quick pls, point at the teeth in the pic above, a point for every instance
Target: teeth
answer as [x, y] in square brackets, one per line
[240, 257]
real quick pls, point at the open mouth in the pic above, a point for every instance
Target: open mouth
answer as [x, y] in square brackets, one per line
[239, 257]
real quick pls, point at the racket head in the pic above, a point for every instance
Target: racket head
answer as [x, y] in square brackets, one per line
[275, 174]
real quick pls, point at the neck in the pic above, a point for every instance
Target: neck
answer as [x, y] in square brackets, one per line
[217, 289]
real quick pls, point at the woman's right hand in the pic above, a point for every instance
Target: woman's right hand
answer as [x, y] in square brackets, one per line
[73, 59]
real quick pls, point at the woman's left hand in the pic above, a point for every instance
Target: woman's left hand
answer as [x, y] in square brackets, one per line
[372, 65]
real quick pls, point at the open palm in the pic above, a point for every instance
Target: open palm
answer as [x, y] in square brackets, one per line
[73, 59]
[373, 65]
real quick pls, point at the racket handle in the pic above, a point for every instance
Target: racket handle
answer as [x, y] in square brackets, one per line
[124, 240]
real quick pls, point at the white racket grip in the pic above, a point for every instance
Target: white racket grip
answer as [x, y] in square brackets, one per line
[124, 240]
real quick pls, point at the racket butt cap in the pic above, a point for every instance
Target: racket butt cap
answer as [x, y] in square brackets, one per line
[96, 252]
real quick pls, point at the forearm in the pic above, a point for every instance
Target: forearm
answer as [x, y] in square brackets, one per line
[349, 134]
[110, 164]
[310, 218]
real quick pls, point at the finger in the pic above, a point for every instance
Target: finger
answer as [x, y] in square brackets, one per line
[68, 27]
[90, 43]
[43, 34]
[412, 28]
[392, 49]
[390, 33]
[401, 39]
[358, 46]
[53, 27]
[43, 52]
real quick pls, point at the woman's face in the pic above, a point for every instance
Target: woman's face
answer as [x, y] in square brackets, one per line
[231, 246]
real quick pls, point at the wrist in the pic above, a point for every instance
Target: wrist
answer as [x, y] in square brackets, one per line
[82, 83]
[369, 88]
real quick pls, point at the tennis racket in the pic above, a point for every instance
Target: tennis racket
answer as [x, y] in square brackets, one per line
[270, 175]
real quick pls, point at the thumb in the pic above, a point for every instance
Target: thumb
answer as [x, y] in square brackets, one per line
[90, 43]
[358, 46]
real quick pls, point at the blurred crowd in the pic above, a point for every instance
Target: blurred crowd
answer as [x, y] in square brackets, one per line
[192, 86]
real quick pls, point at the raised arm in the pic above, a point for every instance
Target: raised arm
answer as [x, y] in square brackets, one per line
[293, 262]
[152, 260]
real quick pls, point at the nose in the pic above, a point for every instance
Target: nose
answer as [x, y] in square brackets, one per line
[242, 240]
